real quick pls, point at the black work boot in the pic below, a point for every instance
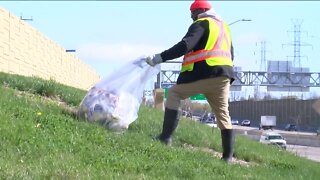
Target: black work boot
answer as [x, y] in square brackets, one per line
[170, 123]
[227, 138]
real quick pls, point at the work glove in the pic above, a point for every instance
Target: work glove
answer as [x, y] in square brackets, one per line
[154, 60]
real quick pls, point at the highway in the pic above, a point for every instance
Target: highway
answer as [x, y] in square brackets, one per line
[303, 144]
[312, 153]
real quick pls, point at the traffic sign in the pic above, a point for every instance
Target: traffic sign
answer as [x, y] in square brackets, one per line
[198, 97]
[195, 97]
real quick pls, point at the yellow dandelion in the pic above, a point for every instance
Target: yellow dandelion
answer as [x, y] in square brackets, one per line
[39, 113]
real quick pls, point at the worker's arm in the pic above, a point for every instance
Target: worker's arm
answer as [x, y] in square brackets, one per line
[188, 42]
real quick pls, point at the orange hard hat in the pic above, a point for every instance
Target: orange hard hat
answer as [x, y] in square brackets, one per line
[200, 4]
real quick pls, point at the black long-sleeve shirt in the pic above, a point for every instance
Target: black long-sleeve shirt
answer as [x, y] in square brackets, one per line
[196, 39]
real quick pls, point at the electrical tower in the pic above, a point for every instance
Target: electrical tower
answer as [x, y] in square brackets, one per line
[263, 59]
[262, 68]
[297, 44]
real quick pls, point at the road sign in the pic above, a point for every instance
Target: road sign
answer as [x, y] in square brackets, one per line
[195, 97]
[198, 97]
[165, 92]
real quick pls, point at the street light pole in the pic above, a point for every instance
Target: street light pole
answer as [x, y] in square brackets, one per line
[239, 21]
[26, 19]
[70, 50]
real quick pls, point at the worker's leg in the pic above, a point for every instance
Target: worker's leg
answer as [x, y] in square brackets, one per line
[228, 140]
[175, 94]
[218, 98]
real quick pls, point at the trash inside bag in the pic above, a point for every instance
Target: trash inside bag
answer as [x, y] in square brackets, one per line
[115, 100]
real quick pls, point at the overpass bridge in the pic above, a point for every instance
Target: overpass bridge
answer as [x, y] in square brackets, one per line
[301, 80]
[281, 76]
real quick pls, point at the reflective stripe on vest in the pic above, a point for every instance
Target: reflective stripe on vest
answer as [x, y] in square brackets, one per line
[214, 54]
[205, 54]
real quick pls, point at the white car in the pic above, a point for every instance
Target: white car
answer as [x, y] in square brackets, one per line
[213, 125]
[234, 122]
[246, 123]
[273, 138]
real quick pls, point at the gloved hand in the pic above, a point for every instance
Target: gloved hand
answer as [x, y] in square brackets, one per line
[154, 60]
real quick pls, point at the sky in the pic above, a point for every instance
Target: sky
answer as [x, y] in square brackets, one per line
[108, 34]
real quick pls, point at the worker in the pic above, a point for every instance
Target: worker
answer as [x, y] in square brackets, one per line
[207, 68]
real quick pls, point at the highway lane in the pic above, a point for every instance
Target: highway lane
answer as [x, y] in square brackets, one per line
[312, 153]
[309, 152]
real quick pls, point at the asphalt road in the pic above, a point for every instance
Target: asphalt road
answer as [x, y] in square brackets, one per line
[312, 153]
[309, 152]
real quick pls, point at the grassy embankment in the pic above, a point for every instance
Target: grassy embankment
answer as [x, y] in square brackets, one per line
[41, 138]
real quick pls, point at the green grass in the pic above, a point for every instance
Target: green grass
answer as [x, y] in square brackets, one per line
[56, 145]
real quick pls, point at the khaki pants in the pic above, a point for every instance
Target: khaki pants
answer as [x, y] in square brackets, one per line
[216, 90]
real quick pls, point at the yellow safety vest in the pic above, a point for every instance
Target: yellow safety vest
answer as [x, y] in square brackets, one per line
[217, 50]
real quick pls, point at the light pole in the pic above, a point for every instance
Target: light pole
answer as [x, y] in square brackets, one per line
[70, 50]
[26, 19]
[239, 21]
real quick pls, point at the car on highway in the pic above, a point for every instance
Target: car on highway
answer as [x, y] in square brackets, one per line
[273, 138]
[291, 127]
[246, 122]
[207, 118]
[234, 122]
[189, 115]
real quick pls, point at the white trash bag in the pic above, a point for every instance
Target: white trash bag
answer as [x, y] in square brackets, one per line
[115, 100]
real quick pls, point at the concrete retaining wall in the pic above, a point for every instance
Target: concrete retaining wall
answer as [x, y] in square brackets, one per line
[26, 51]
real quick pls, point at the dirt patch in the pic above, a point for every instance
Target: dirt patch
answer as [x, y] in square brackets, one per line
[53, 99]
[218, 155]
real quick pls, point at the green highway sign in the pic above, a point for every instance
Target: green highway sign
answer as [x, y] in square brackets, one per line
[195, 97]
[198, 97]
[165, 93]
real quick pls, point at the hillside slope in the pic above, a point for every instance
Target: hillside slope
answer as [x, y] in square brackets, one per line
[41, 138]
